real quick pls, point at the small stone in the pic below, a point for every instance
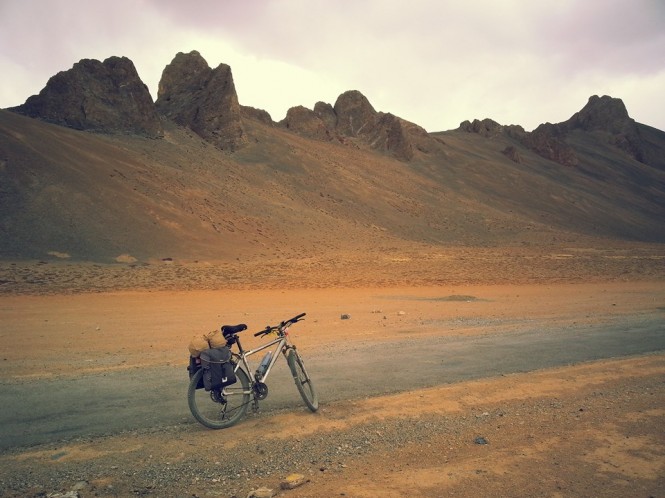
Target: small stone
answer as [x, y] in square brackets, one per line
[261, 493]
[345, 317]
[293, 481]
[401, 313]
[480, 440]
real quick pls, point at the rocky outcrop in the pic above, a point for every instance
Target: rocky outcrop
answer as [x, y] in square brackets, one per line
[353, 117]
[512, 153]
[256, 114]
[107, 97]
[609, 116]
[549, 141]
[390, 134]
[486, 128]
[385, 132]
[202, 99]
[602, 113]
[606, 117]
[306, 122]
[326, 113]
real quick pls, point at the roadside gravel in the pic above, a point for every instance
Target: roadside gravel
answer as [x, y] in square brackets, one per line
[346, 450]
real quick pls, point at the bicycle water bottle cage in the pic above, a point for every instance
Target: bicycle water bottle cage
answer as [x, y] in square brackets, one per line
[228, 330]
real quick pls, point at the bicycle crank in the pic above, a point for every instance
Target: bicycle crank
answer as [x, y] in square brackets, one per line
[260, 390]
[217, 396]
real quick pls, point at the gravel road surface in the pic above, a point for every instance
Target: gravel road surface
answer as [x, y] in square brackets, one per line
[42, 411]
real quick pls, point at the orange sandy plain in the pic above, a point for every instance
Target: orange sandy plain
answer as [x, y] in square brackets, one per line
[593, 429]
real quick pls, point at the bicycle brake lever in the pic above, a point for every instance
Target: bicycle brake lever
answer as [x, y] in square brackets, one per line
[263, 332]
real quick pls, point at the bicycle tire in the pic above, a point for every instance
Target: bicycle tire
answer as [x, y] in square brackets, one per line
[215, 415]
[302, 380]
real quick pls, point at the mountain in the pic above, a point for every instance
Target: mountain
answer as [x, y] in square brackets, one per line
[192, 94]
[91, 169]
[99, 96]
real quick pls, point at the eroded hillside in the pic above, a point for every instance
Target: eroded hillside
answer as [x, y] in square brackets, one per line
[342, 178]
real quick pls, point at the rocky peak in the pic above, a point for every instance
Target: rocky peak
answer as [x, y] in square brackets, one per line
[107, 97]
[187, 73]
[602, 113]
[609, 115]
[202, 99]
[355, 114]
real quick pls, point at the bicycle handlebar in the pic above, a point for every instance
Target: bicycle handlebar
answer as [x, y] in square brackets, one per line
[269, 329]
[295, 318]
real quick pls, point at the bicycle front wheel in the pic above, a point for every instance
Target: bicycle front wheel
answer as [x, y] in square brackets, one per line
[221, 409]
[302, 380]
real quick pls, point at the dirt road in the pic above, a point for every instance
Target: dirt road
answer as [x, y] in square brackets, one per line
[113, 402]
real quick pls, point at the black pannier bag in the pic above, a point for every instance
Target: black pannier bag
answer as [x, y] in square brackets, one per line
[195, 366]
[217, 368]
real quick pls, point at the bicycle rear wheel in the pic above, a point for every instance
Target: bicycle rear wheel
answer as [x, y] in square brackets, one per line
[302, 380]
[219, 411]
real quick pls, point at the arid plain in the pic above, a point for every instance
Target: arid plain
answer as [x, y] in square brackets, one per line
[117, 248]
[584, 429]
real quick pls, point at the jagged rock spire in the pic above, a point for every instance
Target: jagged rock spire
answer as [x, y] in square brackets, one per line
[202, 99]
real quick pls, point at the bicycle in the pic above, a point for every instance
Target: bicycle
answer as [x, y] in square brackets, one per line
[224, 407]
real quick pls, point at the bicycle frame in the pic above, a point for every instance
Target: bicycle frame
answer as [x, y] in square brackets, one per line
[242, 355]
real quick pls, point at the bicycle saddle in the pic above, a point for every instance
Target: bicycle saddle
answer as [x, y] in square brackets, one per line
[233, 329]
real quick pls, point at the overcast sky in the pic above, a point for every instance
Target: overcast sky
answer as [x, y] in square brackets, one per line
[433, 62]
